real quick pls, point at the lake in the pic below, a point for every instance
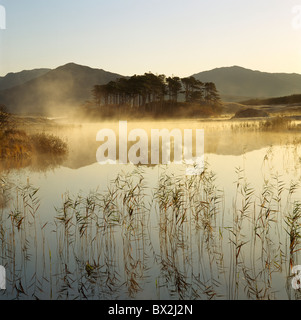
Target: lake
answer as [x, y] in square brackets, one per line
[71, 228]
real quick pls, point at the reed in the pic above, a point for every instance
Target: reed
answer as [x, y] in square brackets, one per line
[177, 240]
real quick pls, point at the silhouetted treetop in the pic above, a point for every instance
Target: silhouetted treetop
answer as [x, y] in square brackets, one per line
[150, 89]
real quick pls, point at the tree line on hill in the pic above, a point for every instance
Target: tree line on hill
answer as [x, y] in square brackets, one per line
[151, 92]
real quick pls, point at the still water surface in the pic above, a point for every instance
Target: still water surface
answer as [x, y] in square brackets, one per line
[71, 231]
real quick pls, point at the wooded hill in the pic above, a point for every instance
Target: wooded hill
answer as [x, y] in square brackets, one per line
[154, 94]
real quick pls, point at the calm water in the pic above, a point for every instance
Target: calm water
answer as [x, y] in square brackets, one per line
[70, 230]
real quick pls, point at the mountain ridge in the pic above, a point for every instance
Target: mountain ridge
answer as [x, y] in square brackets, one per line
[68, 86]
[13, 79]
[58, 90]
[241, 82]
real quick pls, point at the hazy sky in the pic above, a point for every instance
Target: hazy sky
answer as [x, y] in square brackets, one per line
[179, 37]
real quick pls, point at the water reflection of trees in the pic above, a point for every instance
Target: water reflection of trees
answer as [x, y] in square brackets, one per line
[221, 138]
[38, 163]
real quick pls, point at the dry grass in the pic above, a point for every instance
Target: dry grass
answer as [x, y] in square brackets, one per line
[179, 239]
[277, 123]
[47, 143]
[17, 144]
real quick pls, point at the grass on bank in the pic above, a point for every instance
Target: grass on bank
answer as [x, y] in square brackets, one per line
[18, 144]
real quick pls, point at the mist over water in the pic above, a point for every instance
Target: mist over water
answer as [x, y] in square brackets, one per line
[149, 231]
[198, 198]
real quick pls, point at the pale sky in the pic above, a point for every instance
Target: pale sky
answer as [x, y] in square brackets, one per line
[174, 37]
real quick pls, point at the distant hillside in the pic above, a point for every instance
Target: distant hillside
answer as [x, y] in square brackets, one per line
[56, 91]
[52, 92]
[293, 99]
[237, 83]
[18, 78]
